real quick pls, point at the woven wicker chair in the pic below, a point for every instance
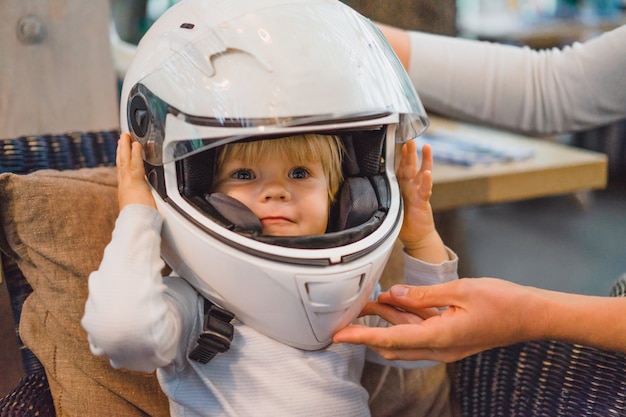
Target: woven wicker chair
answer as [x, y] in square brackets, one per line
[529, 379]
[543, 378]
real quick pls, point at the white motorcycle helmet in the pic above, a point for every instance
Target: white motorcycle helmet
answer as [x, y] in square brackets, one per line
[210, 72]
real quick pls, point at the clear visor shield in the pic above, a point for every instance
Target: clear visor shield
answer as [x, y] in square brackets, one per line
[269, 70]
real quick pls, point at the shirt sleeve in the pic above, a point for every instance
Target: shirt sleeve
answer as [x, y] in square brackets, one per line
[549, 91]
[132, 315]
[418, 272]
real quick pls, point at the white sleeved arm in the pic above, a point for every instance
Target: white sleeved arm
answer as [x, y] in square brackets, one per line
[558, 90]
[129, 315]
[417, 272]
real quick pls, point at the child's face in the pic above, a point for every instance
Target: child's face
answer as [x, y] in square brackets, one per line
[290, 198]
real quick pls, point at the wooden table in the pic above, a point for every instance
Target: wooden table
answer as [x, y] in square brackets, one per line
[554, 169]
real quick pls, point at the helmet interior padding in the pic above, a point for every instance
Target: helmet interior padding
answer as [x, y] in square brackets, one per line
[361, 205]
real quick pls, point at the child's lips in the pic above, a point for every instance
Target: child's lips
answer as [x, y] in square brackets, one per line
[275, 220]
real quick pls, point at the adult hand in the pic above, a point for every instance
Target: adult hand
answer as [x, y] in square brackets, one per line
[132, 187]
[481, 313]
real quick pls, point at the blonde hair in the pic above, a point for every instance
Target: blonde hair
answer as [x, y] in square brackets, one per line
[301, 148]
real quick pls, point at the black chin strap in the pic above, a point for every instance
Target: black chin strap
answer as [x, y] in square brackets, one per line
[216, 335]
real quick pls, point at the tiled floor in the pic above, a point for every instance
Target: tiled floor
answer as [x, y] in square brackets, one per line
[556, 243]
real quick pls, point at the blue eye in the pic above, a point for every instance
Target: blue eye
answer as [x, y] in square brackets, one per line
[243, 174]
[299, 173]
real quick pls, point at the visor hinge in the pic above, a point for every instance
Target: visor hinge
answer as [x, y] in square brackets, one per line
[216, 335]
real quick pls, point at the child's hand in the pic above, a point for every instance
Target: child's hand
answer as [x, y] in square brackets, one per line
[132, 187]
[418, 232]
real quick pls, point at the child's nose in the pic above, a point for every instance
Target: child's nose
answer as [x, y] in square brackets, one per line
[275, 190]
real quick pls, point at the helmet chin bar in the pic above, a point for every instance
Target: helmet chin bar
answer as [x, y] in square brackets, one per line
[299, 305]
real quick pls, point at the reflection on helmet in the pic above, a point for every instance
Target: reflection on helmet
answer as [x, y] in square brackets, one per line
[214, 72]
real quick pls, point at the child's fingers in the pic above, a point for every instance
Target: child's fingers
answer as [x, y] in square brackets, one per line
[426, 188]
[122, 155]
[136, 161]
[427, 158]
[408, 163]
[129, 158]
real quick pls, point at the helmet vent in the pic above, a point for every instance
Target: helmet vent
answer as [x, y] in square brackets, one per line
[139, 115]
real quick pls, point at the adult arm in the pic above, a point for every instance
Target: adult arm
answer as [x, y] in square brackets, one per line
[484, 313]
[558, 90]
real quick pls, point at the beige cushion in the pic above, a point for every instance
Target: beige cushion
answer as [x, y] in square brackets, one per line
[56, 224]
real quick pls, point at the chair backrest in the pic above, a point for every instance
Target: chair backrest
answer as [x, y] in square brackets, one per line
[26, 154]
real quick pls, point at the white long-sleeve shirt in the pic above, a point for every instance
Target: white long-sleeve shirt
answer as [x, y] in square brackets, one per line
[143, 321]
[550, 91]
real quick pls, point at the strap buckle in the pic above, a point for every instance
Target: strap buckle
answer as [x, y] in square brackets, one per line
[217, 333]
